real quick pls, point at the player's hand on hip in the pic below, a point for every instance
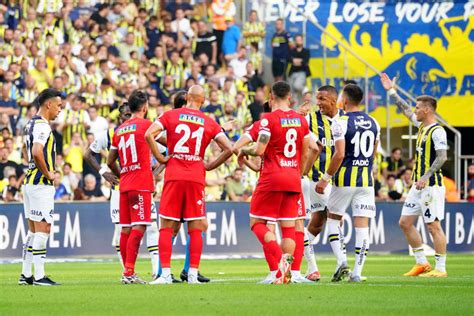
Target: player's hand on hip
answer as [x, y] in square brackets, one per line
[420, 184]
[111, 178]
[321, 186]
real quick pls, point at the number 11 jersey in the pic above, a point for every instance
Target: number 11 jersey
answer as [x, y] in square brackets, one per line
[135, 155]
[281, 162]
[188, 133]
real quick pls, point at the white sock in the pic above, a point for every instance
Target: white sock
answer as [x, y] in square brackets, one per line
[192, 272]
[361, 249]
[273, 273]
[295, 273]
[165, 272]
[152, 246]
[27, 260]
[440, 260]
[116, 243]
[420, 255]
[309, 252]
[39, 254]
[334, 236]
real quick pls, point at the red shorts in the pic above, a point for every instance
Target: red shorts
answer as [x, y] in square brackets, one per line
[182, 200]
[135, 208]
[276, 205]
[301, 207]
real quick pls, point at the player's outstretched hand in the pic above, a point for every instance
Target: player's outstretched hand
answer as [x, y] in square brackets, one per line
[320, 186]
[386, 82]
[111, 178]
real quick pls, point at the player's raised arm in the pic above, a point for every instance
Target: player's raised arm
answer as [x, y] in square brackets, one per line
[389, 85]
[224, 143]
[150, 135]
[112, 161]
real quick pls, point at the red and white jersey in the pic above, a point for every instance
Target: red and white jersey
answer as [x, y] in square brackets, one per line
[252, 131]
[189, 132]
[282, 158]
[135, 155]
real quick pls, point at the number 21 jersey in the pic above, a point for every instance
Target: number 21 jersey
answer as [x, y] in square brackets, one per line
[361, 134]
[188, 133]
[135, 155]
[281, 163]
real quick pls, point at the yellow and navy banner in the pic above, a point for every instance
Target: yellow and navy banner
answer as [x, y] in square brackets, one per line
[428, 45]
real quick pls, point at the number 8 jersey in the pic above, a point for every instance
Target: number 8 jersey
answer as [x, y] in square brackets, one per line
[280, 169]
[361, 133]
[135, 155]
[188, 133]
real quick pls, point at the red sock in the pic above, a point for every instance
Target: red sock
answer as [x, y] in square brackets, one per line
[271, 249]
[299, 250]
[123, 246]
[165, 244]
[271, 260]
[195, 247]
[133, 245]
[288, 232]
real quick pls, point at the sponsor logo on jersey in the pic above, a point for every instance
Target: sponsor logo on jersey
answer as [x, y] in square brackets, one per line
[361, 122]
[141, 207]
[127, 129]
[191, 119]
[290, 122]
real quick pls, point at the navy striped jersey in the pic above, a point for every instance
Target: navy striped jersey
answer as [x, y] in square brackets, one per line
[430, 139]
[361, 133]
[38, 130]
[320, 125]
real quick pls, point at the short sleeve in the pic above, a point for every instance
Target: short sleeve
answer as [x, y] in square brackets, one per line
[114, 144]
[339, 129]
[41, 132]
[216, 130]
[377, 125]
[162, 120]
[252, 131]
[313, 137]
[264, 128]
[99, 143]
[440, 139]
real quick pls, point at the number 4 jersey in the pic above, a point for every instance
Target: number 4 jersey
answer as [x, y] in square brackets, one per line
[135, 155]
[189, 132]
[361, 133]
[282, 158]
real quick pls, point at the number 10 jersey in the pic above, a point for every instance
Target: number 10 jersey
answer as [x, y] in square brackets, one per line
[361, 133]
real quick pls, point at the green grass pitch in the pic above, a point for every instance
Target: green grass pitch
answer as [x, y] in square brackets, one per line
[94, 288]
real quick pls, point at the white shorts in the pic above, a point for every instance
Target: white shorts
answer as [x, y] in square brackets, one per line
[313, 201]
[115, 203]
[114, 206]
[38, 202]
[428, 202]
[360, 199]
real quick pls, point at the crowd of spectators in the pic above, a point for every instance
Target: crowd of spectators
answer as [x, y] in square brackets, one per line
[98, 52]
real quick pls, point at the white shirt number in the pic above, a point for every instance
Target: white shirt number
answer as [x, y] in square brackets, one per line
[130, 143]
[363, 143]
[290, 147]
[180, 147]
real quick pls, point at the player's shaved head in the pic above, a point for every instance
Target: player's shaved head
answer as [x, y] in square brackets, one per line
[196, 95]
[329, 89]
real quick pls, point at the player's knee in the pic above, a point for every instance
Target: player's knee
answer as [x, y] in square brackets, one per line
[404, 224]
[205, 225]
[434, 228]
